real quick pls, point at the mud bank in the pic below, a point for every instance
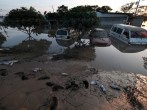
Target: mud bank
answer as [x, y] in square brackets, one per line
[43, 84]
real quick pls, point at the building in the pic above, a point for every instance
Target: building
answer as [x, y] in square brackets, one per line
[107, 19]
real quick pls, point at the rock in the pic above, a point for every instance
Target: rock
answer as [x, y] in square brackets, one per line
[3, 72]
[72, 85]
[57, 87]
[24, 77]
[50, 84]
[44, 78]
[114, 86]
[86, 84]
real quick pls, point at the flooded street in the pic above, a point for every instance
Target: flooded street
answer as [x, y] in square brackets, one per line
[117, 56]
[71, 77]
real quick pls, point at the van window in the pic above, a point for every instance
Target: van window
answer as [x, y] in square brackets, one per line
[134, 34]
[119, 30]
[126, 33]
[137, 34]
[114, 29]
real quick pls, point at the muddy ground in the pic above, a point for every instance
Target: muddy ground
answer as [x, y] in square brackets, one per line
[45, 84]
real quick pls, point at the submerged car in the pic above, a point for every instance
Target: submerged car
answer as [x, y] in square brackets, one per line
[65, 33]
[99, 36]
[129, 34]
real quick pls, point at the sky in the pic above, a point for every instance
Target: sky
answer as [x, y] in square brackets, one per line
[52, 5]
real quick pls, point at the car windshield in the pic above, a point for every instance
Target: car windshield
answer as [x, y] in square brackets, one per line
[137, 34]
[100, 34]
[61, 32]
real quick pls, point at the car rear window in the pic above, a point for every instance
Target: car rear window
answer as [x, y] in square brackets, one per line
[100, 34]
[61, 32]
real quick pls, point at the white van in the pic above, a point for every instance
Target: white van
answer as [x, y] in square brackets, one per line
[129, 34]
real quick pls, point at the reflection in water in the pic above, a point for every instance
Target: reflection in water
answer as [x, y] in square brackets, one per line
[121, 57]
[69, 50]
[145, 62]
[127, 48]
[115, 57]
[81, 53]
[32, 46]
[2, 39]
[65, 42]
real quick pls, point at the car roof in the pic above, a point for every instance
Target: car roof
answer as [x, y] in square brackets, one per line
[129, 27]
[99, 29]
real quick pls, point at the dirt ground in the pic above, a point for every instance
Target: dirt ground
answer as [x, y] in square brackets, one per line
[44, 84]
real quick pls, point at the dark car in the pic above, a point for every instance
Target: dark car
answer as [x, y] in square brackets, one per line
[99, 36]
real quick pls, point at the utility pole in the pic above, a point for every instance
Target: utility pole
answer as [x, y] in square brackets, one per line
[137, 6]
[53, 8]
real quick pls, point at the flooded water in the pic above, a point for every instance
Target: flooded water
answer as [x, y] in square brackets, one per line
[117, 56]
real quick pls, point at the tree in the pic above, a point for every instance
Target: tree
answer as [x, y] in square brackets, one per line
[82, 18]
[104, 9]
[142, 10]
[127, 7]
[62, 9]
[26, 20]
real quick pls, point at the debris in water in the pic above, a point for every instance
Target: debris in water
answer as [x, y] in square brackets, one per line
[94, 82]
[64, 74]
[11, 62]
[37, 69]
[103, 89]
[114, 86]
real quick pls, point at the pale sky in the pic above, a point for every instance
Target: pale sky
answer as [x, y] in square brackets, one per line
[49, 5]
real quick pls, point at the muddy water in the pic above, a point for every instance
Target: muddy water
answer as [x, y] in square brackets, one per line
[117, 56]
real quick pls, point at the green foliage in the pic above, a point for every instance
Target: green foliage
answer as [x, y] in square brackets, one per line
[127, 7]
[52, 16]
[24, 17]
[26, 20]
[81, 17]
[62, 9]
[104, 9]
[85, 8]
